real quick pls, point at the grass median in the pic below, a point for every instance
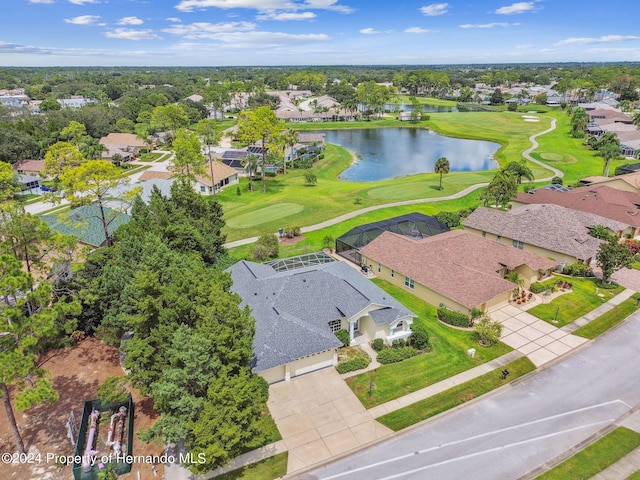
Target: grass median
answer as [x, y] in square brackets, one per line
[267, 469]
[455, 396]
[596, 457]
[608, 320]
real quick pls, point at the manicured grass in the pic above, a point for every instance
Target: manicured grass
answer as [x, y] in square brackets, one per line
[609, 320]
[634, 476]
[447, 358]
[267, 469]
[571, 306]
[455, 396]
[398, 99]
[151, 157]
[596, 457]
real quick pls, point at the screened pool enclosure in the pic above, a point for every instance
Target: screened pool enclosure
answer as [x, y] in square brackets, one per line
[413, 225]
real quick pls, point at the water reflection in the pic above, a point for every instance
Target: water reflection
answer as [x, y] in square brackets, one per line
[383, 153]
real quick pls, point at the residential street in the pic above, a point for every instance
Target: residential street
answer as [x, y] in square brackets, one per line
[519, 428]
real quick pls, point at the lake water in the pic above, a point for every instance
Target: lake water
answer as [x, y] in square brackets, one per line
[383, 153]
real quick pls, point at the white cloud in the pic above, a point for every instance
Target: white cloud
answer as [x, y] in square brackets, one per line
[209, 30]
[173, 19]
[518, 7]
[488, 25]
[603, 39]
[285, 16]
[369, 31]
[82, 2]
[83, 20]
[264, 5]
[130, 21]
[254, 40]
[416, 30]
[41, 1]
[435, 9]
[128, 34]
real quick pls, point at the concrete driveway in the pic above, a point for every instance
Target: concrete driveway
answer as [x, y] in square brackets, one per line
[535, 338]
[319, 417]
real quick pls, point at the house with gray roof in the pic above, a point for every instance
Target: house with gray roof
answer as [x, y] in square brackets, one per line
[299, 308]
[550, 231]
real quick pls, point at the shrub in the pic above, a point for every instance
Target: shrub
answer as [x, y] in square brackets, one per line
[633, 246]
[537, 287]
[343, 336]
[113, 390]
[238, 192]
[310, 178]
[556, 180]
[357, 200]
[400, 343]
[353, 364]
[393, 355]
[475, 313]
[266, 247]
[512, 107]
[377, 344]
[328, 242]
[420, 339]
[488, 331]
[450, 219]
[577, 269]
[456, 319]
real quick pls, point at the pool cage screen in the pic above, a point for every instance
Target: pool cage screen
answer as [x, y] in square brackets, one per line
[414, 225]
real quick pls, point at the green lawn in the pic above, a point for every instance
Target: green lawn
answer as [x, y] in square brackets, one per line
[571, 306]
[596, 457]
[455, 396]
[609, 320]
[634, 476]
[332, 197]
[448, 357]
[267, 469]
[151, 157]
[398, 99]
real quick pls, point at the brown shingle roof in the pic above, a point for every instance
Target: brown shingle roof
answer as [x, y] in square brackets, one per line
[220, 172]
[29, 165]
[123, 139]
[551, 227]
[457, 264]
[153, 175]
[602, 200]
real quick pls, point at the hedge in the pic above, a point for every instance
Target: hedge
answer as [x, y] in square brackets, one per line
[393, 355]
[453, 318]
[538, 287]
[353, 364]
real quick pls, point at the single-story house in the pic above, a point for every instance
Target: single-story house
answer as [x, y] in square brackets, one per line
[558, 233]
[123, 142]
[599, 199]
[298, 305]
[29, 182]
[223, 176]
[29, 167]
[235, 159]
[628, 182]
[85, 223]
[455, 269]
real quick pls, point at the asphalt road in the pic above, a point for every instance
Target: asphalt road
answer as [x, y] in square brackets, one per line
[517, 429]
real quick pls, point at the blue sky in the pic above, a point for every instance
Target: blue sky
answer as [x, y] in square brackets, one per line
[315, 32]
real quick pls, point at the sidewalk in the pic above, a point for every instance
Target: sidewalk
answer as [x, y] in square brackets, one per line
[595, 313]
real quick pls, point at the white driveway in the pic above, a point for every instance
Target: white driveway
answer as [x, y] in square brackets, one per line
[535, 338]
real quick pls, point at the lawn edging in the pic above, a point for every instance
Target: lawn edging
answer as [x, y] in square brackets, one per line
[456, 396]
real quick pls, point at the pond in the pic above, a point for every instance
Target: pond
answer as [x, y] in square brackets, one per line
[384, 153]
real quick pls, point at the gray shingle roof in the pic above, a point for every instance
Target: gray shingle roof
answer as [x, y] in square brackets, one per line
[85, 223]
[293, 308]
[551, 227]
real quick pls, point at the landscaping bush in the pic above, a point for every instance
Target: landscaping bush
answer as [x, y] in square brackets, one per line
[353, 364]
[633, 246]
[450, 219]
[400, 343]
[420, 339]
[488, 331]
[377, 344]
[578, 269]
[538, 287]
[393, 355]
[453, 318]
[556, 180]
[343, 336]
[266, 247]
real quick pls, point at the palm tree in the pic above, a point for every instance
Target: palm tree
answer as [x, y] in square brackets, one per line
[579, 121]
[441, 167]
[515, 277]
[290, 138]
[608, 152]
[251, 165]
[520, 169]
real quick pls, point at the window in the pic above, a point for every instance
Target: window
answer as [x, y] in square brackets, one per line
[393, 273]
[498, 238]
[379, 267]
[517, 244]
[397, 329]
[408, 282]
[203, 189]
[335, 325]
